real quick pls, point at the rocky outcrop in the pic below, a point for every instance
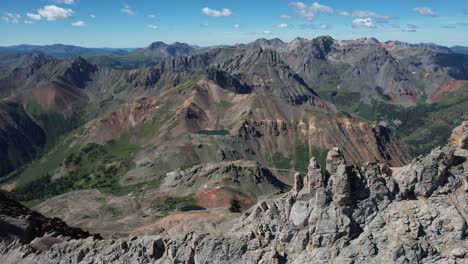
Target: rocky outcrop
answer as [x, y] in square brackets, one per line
[459, 137]
[19, 223]
[78, 72]
[367, 213]
[245, 176]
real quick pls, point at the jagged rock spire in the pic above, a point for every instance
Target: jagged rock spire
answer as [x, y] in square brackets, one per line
[339, 183]
[314, 176]
[298, 182]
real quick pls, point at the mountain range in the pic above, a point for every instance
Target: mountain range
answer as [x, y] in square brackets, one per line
[341, 213]
[175, 136]
[460, 49]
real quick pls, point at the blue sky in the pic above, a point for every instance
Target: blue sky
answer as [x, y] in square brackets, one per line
[136, 23]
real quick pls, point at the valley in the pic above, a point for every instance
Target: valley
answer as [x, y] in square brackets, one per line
[176, 138]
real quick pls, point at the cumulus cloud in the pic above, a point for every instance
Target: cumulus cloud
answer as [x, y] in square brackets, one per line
[344, 13]
[93, 16]
[28, 22]
[321, 8]
[324, 26]
[151, 16]
[267, 32]
[68, 2]
[127, 10]
[33, 16]
[153, 26]
[52, 12]
[11, 18]
[282, 25]
[308, 12]
[78, 24]
[236, 26]
[302, 10]
[363, 22]
[365, 14]
[285, 16]
[424, 11]
[217, 13]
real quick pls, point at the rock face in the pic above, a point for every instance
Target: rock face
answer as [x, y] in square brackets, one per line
[459, 136]
[19, 134]
[244, 176]
[367, 213]
[24, 225]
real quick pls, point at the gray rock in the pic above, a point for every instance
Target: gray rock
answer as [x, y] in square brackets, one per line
[370, 214]
[339, 182]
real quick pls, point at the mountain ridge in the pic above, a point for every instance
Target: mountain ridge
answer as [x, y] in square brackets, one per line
[368, 213]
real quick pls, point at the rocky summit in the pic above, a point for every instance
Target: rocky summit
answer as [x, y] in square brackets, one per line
[338, 213]
[140, 132]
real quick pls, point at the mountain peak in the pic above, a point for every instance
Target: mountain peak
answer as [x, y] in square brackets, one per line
[157, 45]
[268, 43]
[425, 46]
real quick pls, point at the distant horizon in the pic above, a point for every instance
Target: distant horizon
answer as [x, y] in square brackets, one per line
[243, 43]
[132, 23]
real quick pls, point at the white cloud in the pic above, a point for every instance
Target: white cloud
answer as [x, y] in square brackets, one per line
[68, 2]
[33, 16]
[284, 16]
[267, 32]
[153, 26]
[217, 13]
[282, 25]
[302, 10]
[365, 14]
[11, 18]
[322, 8]
[309, 12]
[205, 24]
[236, 26]
[28, 22]
[127, 10]
[78, 24]
[93, 16]
[51, 12]
[151, 16]
[363, 22]
[324, 26]
[424, 11]
[345, 13]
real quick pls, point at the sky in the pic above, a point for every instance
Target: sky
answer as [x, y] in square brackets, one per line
[137, 23]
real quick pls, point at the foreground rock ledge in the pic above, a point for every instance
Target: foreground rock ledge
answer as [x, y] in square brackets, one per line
[351, 214]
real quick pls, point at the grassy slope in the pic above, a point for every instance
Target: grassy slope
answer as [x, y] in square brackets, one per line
[93, 166]
[101, 166]
[54, 125]
[423, 126]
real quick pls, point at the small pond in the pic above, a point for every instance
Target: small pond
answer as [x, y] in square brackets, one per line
[187, 208]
